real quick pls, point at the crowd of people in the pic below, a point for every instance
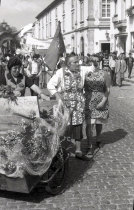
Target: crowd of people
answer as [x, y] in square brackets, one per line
[19, 72]
[79, 83]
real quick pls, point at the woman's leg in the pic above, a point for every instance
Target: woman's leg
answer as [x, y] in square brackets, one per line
[89, 133]
[78, 146]
[98, 133]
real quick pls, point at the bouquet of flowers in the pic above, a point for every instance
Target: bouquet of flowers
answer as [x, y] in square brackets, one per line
[7, 92]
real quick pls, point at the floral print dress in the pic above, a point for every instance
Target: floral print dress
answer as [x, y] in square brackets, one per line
[73, 96]
[94, 92]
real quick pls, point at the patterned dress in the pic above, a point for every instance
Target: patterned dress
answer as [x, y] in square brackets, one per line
[73, 96]
[94, 92]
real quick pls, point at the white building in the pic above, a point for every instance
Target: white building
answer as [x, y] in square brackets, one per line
[85, 24]
[122, 26]
[26, 33]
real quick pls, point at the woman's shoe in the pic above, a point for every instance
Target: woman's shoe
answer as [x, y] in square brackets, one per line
[90, 153]
[78, 153]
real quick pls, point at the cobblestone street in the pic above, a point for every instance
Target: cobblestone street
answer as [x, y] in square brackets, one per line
[107, 182]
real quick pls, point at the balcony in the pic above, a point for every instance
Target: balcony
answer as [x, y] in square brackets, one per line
[130, 11]
[115, 19]
[121, 24]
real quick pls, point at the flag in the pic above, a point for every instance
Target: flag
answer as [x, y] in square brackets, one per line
[55, 49]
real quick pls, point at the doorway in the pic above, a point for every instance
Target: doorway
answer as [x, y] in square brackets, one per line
[105, 48]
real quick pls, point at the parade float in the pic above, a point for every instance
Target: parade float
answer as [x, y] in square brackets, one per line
[30, 143]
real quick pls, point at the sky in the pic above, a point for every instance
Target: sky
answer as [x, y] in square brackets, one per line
[19, 13]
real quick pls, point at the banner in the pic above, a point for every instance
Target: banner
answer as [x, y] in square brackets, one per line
[56, 49]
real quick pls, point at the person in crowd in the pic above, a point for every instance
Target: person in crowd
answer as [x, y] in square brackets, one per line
[33, 71]
[42, 77]
[67, 86]
[81, 59]
[112, 62]
[97, 89]
[2, 70]
[105, 62]
[61, 62]
[17, 81]
[130, 61]
[89, 59]
[120, 68]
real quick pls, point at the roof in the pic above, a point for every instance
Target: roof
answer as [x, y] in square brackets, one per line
[48, 8]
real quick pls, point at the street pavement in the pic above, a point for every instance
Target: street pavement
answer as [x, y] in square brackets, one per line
[104, 183]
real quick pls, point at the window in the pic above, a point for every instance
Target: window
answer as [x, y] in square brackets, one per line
[115, 7]
[63, 7]
[50, 24]
[56, 12]
[81, 10]
[56, 23]
[73, 19]
[131, 3]
[46, 26]
[63, 23]
[132, 41]
[56, 18]
[105, 8]
[72, 4]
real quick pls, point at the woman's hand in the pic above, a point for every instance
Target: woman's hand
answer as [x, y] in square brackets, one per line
[101, 104]
[17, 93]
[44, 97]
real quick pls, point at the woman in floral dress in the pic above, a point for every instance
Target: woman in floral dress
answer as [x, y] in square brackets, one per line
[67, 86]
[97, 89]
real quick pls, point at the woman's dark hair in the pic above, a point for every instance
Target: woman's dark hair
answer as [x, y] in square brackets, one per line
[95, 61]
[14, 61]
[36, 56]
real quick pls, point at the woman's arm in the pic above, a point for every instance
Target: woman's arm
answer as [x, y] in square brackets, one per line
[37, 90]
[106, 93]
[55, 82]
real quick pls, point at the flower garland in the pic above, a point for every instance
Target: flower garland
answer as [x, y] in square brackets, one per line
[23, 147]
[7, 92]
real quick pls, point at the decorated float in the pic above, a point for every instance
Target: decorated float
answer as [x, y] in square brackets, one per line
[30, 143]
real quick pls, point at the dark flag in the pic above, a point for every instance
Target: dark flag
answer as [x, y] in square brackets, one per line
[55, 49]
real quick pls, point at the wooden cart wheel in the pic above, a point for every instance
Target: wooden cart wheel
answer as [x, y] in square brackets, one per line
[56, 185]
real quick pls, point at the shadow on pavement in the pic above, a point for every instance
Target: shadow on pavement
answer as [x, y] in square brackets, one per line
[77, 170]
[112, 136]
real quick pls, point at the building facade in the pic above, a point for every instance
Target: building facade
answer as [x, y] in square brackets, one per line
[85, 24]
[122, 26]
[8, 39]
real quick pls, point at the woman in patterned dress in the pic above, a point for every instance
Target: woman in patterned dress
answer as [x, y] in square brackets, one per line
[97, 89]
[67, 86]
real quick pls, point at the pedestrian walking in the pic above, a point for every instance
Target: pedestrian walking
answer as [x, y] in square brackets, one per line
[67, 85]
[120, 68]
[97, 89]
[112, 62]
[33, 71]
[130, 61]
[105, 62]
